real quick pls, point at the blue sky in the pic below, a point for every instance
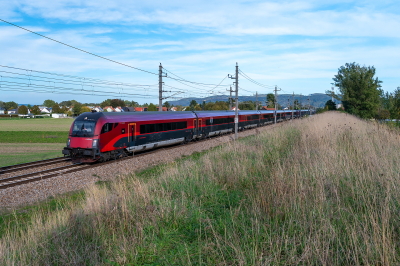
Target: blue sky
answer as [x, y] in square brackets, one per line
[297, 45]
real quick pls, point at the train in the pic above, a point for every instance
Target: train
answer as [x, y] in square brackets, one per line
[102, 136]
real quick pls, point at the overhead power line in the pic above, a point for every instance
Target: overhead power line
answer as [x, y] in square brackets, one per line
[85, 79]
[73, 47]
[255, 82]
[185, 80]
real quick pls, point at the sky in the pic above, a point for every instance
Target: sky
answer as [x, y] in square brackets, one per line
[295, 45]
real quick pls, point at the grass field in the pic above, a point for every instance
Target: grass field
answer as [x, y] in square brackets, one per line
[33, 136]
[15, 153]
[318, 191]
[38, 124]
[20, 138]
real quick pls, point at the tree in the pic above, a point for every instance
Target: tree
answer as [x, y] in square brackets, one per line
[70, 113]
[192, 106]
[22, 110]
[383, 114]
[296, 104]
[66, 103]
[2, 104]
[85, 109]
[117, 102]
[56, 109]
[105, 103]
[152, 107]
[271, 100]
[167, 104]
[247, 105]
[49, 103]
[359, 89]
[64, 109]
[330, 105]
[10, 105]
[35, 110]
[77, 109]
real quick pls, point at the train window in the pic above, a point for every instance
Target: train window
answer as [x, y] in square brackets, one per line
[115, 125]
[151, 128]
[254, 117]
[107, 127]
[208, 122]
[248, 118]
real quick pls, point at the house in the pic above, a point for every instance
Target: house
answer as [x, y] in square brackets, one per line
[2, 111]
[58, 115]
[118, 109]
[45, 110]
[164, 109]
[339, 105]
[97, 109]
[108, 109]
[141, 109]
[129, 109]
[267, 108]
[174, 109]
[12, 111]
[234, 108]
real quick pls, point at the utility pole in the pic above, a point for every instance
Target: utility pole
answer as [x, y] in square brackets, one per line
[293, 106]
[276, 99]
[160, 91]
[288, 103]
[204, 104]
[309, 105]
[256, 101]
[236, 77]
[332, 93]
[230, 98]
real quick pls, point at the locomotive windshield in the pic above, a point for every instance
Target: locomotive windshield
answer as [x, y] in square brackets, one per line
[83, 129]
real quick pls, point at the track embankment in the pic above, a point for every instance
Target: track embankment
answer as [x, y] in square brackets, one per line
[56, 182]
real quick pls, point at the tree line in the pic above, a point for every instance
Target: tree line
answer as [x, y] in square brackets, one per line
[361, 94]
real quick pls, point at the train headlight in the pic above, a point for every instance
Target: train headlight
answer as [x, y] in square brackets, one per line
[95, 143]
[69, 142]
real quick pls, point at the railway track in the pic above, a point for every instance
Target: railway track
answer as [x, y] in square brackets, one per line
[49, 173]
[26, 166]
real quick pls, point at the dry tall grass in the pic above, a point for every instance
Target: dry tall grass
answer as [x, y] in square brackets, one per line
[323, 190]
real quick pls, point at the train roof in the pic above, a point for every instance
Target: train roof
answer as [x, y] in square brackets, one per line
[155, 115]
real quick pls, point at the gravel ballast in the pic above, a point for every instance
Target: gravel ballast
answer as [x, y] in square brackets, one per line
[40, 190]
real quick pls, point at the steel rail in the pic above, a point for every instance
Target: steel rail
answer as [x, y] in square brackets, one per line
[33, 165]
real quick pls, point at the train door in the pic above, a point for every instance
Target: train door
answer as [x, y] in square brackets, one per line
[132, 132]
[195, 129]
[199, 127]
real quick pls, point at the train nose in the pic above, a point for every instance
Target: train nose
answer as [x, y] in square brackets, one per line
[83, 143]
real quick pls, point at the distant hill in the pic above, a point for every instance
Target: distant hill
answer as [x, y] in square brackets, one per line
[316, 99]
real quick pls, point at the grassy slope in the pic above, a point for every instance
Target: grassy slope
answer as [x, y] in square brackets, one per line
[318, 191]
[38, 124]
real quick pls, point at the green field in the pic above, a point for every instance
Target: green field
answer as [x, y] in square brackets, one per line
[16, 153]
[33, 136]
[37, 124]
[26, 140]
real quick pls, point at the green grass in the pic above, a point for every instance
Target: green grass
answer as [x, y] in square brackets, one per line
[33, 136]
[37, 124]
[16, 153]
